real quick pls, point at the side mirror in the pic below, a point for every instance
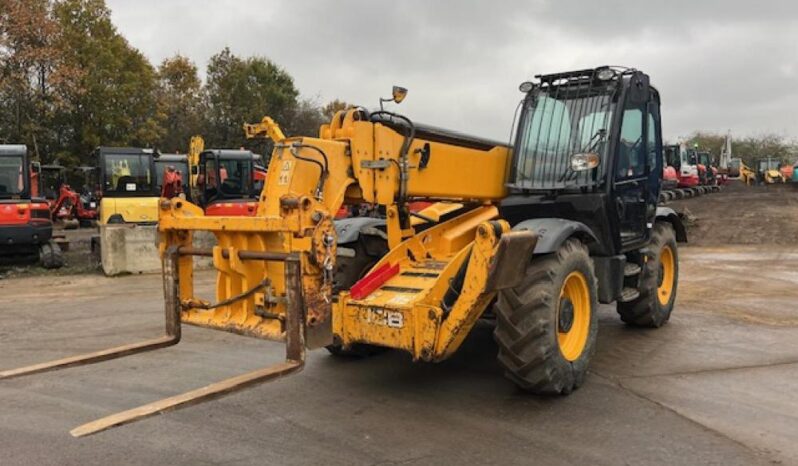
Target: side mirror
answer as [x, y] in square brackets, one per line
[399, 94]
[639, 88]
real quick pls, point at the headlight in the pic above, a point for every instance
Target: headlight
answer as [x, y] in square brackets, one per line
[605, 75]
[584, 161]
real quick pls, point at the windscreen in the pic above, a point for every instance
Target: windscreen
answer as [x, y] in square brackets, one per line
[233, 179]
[160, 167]
[558, 122]
[128, 174]
[12, 180]
[673, 156]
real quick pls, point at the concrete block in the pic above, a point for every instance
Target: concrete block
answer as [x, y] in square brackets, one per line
[129, 248]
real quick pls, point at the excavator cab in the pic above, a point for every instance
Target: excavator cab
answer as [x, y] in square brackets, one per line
[126, 177]
[26, 230]
[710, 172]
[228, 181]
[177, 165]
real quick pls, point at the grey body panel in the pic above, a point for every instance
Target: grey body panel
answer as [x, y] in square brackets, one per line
[552, 232]
[666, 214]
[348, 230]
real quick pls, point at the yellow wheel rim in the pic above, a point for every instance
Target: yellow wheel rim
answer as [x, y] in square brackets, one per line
[573, 316]
[666, 275]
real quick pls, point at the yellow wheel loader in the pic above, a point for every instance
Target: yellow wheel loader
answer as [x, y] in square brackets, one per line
[547, 229]
[768, 171]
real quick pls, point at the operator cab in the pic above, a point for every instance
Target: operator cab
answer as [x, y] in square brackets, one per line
[126, 172]
[673, 156]
[14, 182]
[127, 182]
[230, 181]
[51, 178]
[25, 224]
[588, 148]
[177, 162]
[768, 163]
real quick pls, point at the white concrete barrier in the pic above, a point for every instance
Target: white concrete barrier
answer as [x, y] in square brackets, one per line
[132, 248]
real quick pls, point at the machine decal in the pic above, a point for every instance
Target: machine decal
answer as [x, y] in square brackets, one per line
[285, 174]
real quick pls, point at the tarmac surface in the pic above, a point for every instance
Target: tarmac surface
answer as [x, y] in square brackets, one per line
[715, 386]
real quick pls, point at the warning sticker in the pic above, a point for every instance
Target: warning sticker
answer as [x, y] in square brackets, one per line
[285, 174]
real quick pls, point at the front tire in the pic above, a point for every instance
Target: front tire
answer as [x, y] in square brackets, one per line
[658, 284]
[546, 327]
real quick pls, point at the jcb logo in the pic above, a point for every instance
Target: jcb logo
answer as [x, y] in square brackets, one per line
[392, 319]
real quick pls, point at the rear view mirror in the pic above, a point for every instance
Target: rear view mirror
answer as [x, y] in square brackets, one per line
[399, 94]
[639, 88]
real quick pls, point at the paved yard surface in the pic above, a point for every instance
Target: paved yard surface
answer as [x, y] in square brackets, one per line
[715, 386]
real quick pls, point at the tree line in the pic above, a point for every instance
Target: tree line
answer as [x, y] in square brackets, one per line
[69, 82]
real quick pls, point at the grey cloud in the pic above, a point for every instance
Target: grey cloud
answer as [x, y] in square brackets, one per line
[719, 65]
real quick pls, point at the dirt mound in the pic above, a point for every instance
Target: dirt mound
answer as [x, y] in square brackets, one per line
[758, 215]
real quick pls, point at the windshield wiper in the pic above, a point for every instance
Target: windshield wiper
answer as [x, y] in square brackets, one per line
[601, 134]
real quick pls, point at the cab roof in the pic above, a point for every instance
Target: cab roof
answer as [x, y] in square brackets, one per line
[13, 149]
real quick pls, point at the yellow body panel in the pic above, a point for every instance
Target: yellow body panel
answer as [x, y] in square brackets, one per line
[132, 209]
[774, 176]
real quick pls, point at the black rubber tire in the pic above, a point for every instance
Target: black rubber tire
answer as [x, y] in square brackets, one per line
[646, 310]
[348, 270]
[527, 323]
[50, 256]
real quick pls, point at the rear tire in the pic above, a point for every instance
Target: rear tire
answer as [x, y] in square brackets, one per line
[51, 256]
[348, 270]
[658, 284]
[542, 349]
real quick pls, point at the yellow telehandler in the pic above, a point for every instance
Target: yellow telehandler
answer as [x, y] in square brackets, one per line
[532, 237]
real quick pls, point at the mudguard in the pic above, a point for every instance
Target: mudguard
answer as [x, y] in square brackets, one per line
[348, 230]
[666, 214]
[552, 232]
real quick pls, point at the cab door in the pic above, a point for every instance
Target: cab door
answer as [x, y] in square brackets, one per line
[631, 174]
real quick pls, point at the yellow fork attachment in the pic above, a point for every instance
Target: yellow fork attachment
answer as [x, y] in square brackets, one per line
[294, 340]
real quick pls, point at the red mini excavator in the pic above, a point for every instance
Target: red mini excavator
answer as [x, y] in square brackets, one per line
[66, 205]
[26, 229]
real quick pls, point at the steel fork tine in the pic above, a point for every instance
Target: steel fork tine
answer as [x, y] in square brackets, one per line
[295, 361]
[172, 336]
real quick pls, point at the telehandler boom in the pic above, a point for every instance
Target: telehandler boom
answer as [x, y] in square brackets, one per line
[547, 229]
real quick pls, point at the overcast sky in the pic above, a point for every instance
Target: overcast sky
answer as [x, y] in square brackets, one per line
[718, 65]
